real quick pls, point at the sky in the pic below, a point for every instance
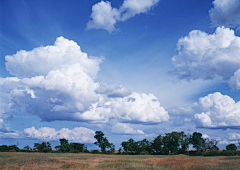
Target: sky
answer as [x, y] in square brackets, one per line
[129, 68]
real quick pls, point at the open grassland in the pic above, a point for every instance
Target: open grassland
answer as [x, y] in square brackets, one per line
[69, 161]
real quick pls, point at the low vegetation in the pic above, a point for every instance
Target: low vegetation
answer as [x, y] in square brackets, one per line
[85, 161]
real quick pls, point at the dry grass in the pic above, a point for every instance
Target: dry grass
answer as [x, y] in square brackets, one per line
[40, 161]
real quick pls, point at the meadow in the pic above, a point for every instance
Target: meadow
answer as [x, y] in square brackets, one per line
[86, 161]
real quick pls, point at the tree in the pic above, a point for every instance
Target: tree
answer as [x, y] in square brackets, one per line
[157, 144]
[64, 145]
[184, 142]
[197, 141]
[145, 145]
[27, 148]
[102, 141]
[238, 144]
[172, 142]
[77, 147]
[210, 145]
[231, 147]
[44, 147]
[130, 145]
[125, 146]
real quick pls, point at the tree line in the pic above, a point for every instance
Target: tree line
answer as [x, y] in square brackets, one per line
[170, 143]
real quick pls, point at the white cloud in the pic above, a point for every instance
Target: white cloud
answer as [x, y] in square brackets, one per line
[130, 8]
[225, 13]
[205, 136]
[122, 128]
[217, 110]
[78, 134]
[3, 126]
[113, 90]
[223, 142]
[139, 108]
[234, 136]
[208, 56]
[105, 17]
[68, 91]
[41, 60]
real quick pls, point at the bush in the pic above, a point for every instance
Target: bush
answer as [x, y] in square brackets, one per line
[95, 151]
[211, 153]
[195, 153]
[74, 151]
[228, 153]
[47, 149]
[12, 150]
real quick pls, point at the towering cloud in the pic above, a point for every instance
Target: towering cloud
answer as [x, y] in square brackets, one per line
[225, 13]
[208, 56]
[217, 111]
[105, 17]
[58, 83]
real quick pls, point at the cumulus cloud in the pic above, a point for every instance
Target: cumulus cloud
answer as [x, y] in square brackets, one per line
[217, 111]
[113, 90]
[205, 136]
[122, 128]
[66, 90]
[234, 136]
[104, 16]
[78, 134]
[130, 8]
[214, 111]
[3, 126]
[139, 108]
[225, 13]
[41, 60]
[208, 56]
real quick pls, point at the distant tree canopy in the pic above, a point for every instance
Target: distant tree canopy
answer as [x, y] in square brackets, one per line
[169, 143]
[10, 148]
[70, 147]
[231, 147]
[44, 147]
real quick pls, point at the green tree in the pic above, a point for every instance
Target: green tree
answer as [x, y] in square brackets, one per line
[171, 142]
[157, 144]
[27, 148]
[145, 145]
[197, 141]
[102, 141]
[210, 144]
[231, 147]
[77, 147]
[44, 147]
[64, 145]
[125, 145]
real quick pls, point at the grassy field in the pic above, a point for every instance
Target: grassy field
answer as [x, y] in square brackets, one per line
[69, 161]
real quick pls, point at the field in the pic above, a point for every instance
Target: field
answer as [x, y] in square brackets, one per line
[69, 161]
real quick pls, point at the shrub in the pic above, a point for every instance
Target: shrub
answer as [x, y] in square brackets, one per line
[211, 153]
[46, 149]
[228, 153]
[195, 153]
[95, 151]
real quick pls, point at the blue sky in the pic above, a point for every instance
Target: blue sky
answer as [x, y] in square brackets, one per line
[130, 68]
